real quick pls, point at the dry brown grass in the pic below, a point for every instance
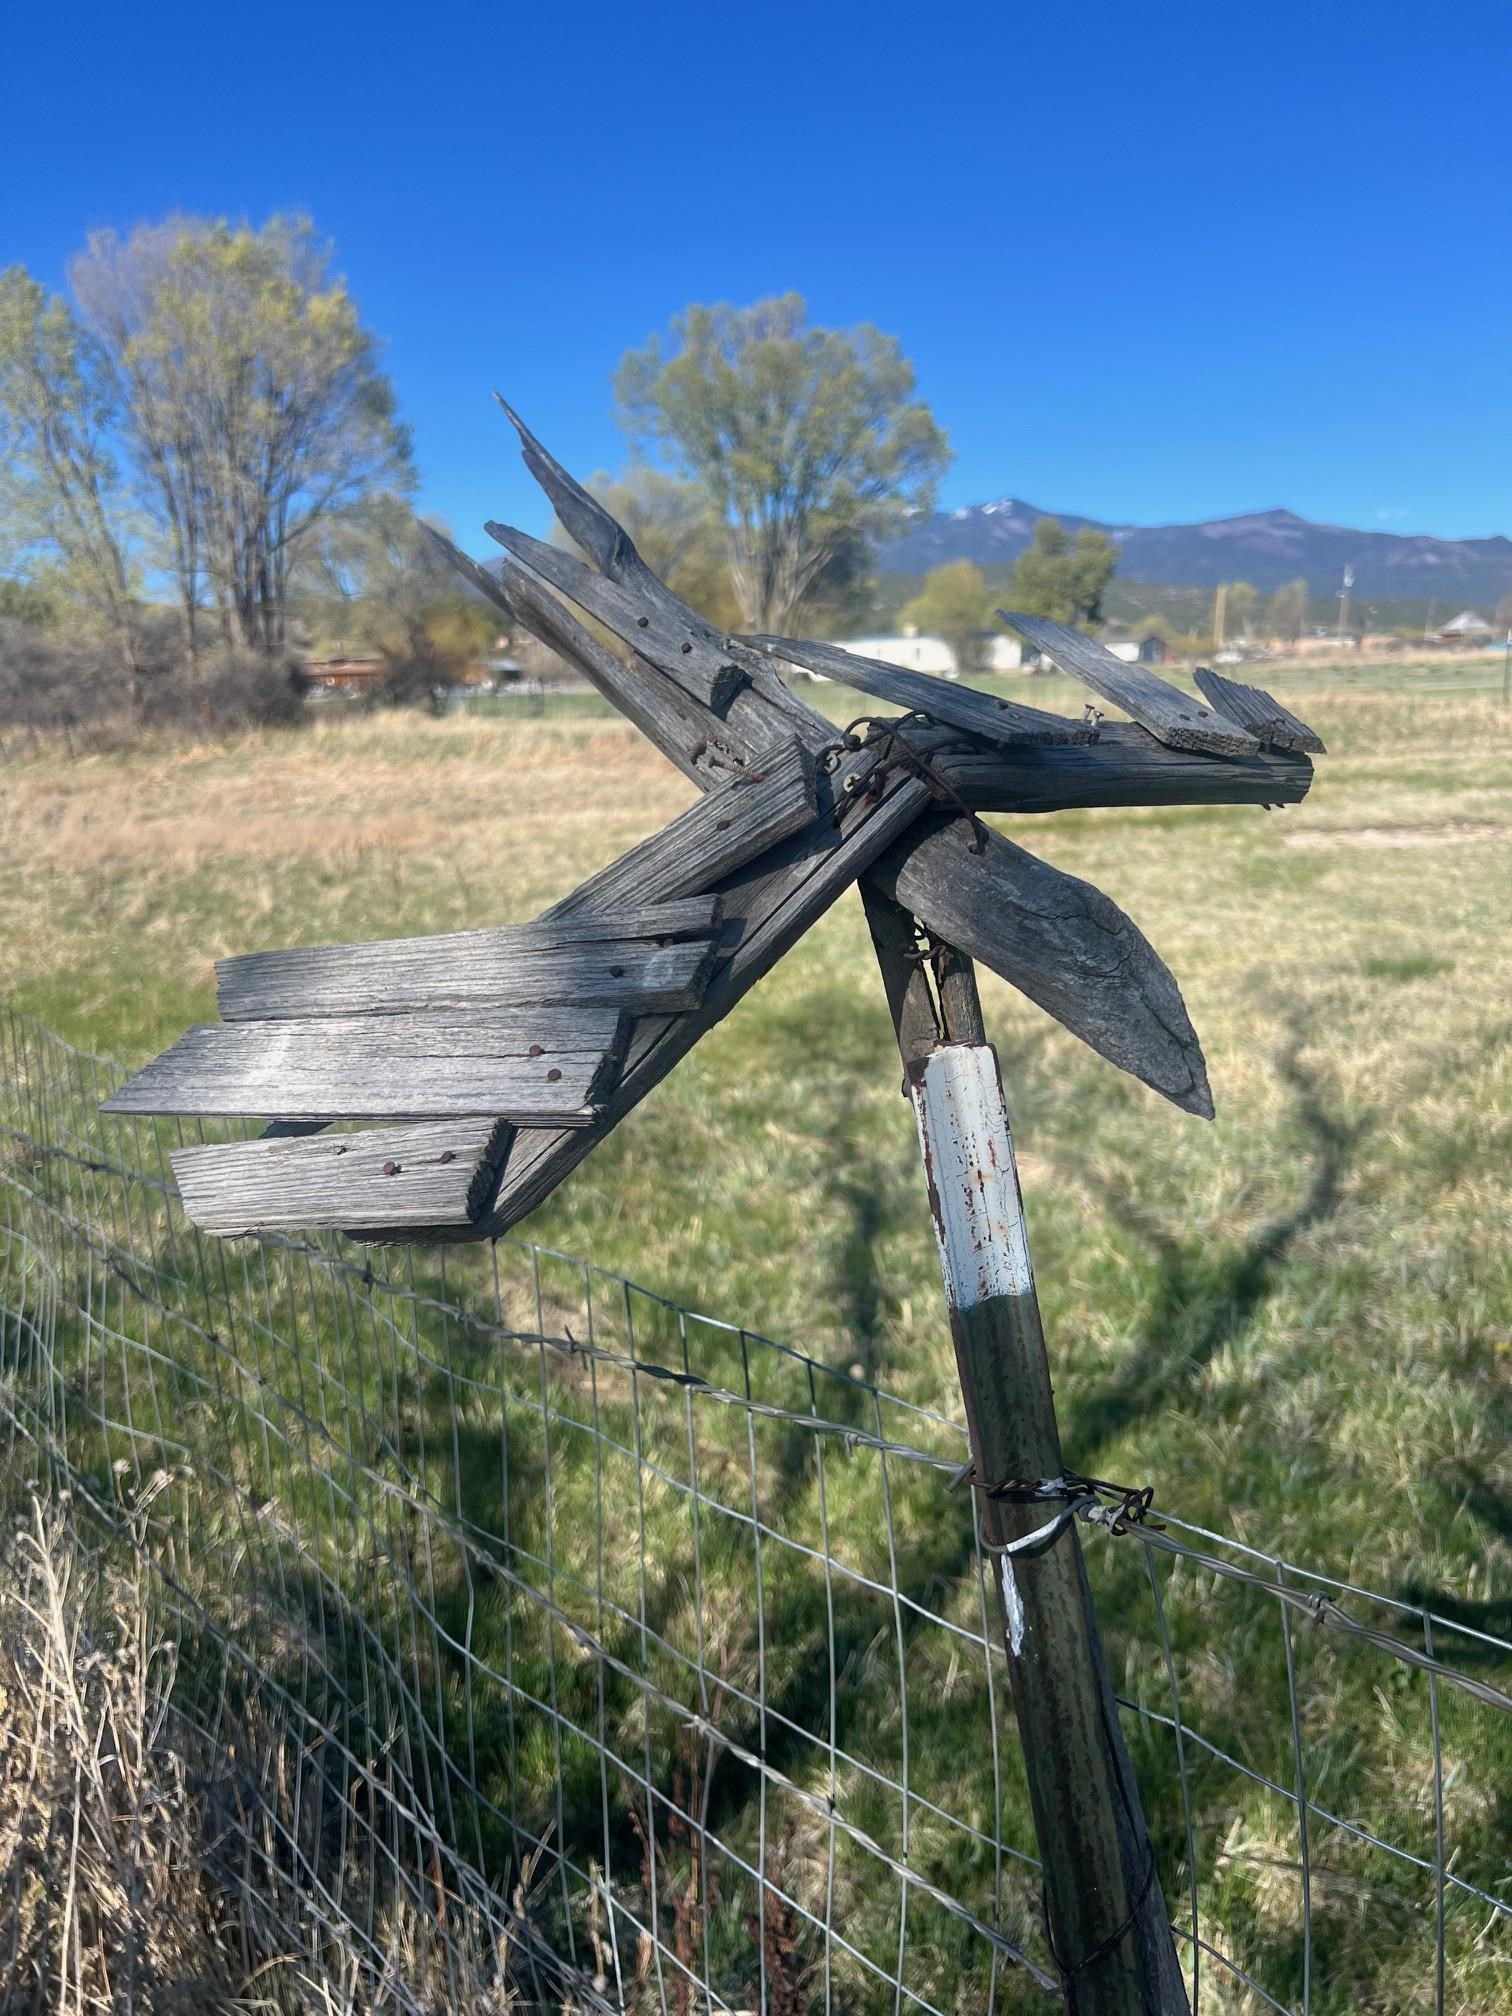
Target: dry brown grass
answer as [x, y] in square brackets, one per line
[125, 1845]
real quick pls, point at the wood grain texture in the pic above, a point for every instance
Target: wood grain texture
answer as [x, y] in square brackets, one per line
[768, 904]
[981, 714]
[1271, 724]
[760, 710]
[572, 959]
[737, 820]
[1124, 766]
[1058, 940]
[541, 1067]
[675, 723]
[440, 1172]
[1168, 713]
[692, 654]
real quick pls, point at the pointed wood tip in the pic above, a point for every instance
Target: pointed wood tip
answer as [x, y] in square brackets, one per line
[1198, 1099]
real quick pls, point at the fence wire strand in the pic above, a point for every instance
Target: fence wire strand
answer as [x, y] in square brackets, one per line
[652, 1665]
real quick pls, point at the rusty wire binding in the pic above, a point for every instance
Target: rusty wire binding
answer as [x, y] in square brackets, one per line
[898, 756]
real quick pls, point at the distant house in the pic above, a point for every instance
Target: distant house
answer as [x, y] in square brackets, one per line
[914, 653]
[1148, 650]
[997, 653]
[1467, 628]
[340, 675]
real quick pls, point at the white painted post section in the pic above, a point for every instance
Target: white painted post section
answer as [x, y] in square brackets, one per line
[968, 1152]
[977, 1206]
[1109, 1932]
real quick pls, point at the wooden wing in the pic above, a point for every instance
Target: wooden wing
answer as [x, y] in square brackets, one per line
[493, 1061]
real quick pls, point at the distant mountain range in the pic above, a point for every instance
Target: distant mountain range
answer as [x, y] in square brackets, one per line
[1265, 548]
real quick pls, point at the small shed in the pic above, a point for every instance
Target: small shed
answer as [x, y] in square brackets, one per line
[345, 674]
[1147, 650]
[1467, 628]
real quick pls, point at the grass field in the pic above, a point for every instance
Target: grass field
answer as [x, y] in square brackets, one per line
[1296, 1321]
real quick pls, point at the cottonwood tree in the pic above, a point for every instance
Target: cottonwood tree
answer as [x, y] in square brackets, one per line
[1286, 612]
[62, 506]
[250, 402]
[1062, 578]
[954, 605]
[808, 443]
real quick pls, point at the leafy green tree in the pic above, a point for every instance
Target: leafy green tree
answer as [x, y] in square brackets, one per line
[27, 602]
[808, 443]
[250, 403]
[62, 505]
[1286, 612]
[1063, 579]
[955, 606]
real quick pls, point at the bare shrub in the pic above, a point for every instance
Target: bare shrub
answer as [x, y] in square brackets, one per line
[56, 682]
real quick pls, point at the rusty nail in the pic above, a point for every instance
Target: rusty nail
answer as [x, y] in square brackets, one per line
[616, 972]
[391, 1168]
[535, 1049]
[448, 1154]
[552, 1075]
[721, 825]
[686, 649]
[643, 622]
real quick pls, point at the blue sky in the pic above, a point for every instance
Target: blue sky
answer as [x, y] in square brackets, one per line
[1151, 262]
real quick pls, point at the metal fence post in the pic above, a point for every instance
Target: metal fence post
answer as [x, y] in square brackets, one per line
[1106, 1919]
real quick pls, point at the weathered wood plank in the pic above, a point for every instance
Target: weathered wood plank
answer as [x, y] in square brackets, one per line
[981, 714]
[1124, 766]
[508, 967]
[538, 1067]
[692, 654]
[768, 904]
[439, 1172]
[1271, 724]
[669, 718]
[737, 820]
[1168, 713]
[758, 711]
[1058, 940]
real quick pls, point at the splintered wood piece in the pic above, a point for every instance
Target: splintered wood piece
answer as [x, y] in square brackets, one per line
[1271, 724]
[1058, 940]
[736, 821]
[585, 958]
[763, 708]
[539, 1067]
[440, 1172]
[692, 654]
[960, 706]
[1168, 714]
[673, 720]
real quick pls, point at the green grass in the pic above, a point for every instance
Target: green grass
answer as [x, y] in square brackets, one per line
[1296, 1322]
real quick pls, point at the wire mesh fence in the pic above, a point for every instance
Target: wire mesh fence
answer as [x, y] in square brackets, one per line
[647, 1664]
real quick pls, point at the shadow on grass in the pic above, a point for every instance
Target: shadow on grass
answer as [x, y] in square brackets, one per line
[1204, 1299]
